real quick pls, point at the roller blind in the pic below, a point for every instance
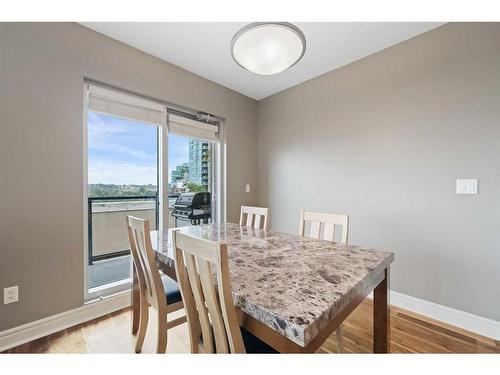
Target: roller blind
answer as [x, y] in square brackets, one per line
[191, 128]
[119, 104]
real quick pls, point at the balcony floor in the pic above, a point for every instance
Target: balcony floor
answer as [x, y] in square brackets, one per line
[106, 271]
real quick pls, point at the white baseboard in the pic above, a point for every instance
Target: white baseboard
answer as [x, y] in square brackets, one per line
[470, 322]
[43, 327]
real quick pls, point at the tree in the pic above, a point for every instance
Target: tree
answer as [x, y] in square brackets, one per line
[193, 187]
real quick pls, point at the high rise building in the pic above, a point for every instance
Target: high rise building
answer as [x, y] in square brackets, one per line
[180, 172]
[200, 158]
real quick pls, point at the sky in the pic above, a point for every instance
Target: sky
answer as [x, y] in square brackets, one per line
[124, 152]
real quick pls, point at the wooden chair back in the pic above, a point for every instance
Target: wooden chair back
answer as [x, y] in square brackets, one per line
[256, 217]
[144, 259]
[328, 221]
[210, 315]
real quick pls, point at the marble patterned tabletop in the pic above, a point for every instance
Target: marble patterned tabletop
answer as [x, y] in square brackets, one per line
[293, 284]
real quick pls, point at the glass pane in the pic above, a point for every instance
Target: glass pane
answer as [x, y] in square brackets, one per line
[122, 181]
[190, 162]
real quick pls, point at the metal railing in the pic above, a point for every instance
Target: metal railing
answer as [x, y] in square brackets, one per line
[91, 200]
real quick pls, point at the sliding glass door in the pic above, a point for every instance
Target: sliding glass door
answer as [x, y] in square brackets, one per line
[123, 180]
[190, 162]
[124, 177]
[142, 161]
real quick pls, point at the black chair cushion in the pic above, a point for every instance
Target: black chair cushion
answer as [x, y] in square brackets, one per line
[172, 291]
[254, 345]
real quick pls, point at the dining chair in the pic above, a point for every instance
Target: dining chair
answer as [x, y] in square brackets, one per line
[254, 217]
[210, 310]
[327, 222]
[160, 292]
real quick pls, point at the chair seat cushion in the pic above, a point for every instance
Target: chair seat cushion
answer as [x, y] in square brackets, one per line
[172, 291]
[254, 345]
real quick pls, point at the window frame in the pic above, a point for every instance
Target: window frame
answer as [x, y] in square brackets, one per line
[219, 180]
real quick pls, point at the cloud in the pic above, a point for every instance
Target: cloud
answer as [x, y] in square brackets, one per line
[111, 135]
[113, 147]
[121, 173]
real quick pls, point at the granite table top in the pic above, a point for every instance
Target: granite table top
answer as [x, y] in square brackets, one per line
[293, 284]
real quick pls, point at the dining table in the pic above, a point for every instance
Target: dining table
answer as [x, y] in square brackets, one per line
[290, 291]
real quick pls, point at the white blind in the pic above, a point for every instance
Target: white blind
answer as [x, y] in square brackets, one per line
[119, 104]
[191, 128]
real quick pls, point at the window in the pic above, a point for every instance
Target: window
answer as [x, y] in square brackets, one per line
[191, 171]
[140, 154]
[124, 177]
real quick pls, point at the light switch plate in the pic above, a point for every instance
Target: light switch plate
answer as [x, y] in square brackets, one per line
[247, 188]
[467, 186]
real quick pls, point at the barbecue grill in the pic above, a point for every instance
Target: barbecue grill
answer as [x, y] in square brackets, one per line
[192, 208]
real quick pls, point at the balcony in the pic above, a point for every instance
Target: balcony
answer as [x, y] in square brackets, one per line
[108, 250]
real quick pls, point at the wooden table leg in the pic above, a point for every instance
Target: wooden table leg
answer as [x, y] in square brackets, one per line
[135, 298]
[382, 316]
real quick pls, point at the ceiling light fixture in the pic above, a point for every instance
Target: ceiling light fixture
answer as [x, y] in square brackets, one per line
[268, 48]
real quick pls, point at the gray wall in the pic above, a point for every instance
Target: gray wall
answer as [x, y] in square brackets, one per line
[383, 140]
[42, 67]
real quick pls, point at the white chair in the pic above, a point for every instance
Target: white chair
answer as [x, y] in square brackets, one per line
[256, 217]
[161, 292]
[211, 314]
[328, 223]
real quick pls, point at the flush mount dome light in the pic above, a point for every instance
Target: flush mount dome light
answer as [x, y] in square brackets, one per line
[268, 48]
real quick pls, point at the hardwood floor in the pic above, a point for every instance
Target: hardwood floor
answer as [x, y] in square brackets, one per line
[410, 333]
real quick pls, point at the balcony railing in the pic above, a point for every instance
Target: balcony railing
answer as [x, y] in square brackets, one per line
[107, 231]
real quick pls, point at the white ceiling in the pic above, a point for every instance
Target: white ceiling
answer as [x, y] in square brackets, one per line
[203, 48]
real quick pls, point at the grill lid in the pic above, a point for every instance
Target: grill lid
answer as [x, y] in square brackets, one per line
[193, 200]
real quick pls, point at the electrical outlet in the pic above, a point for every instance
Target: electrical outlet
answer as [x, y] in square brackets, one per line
[247, 188]
[10, 295]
